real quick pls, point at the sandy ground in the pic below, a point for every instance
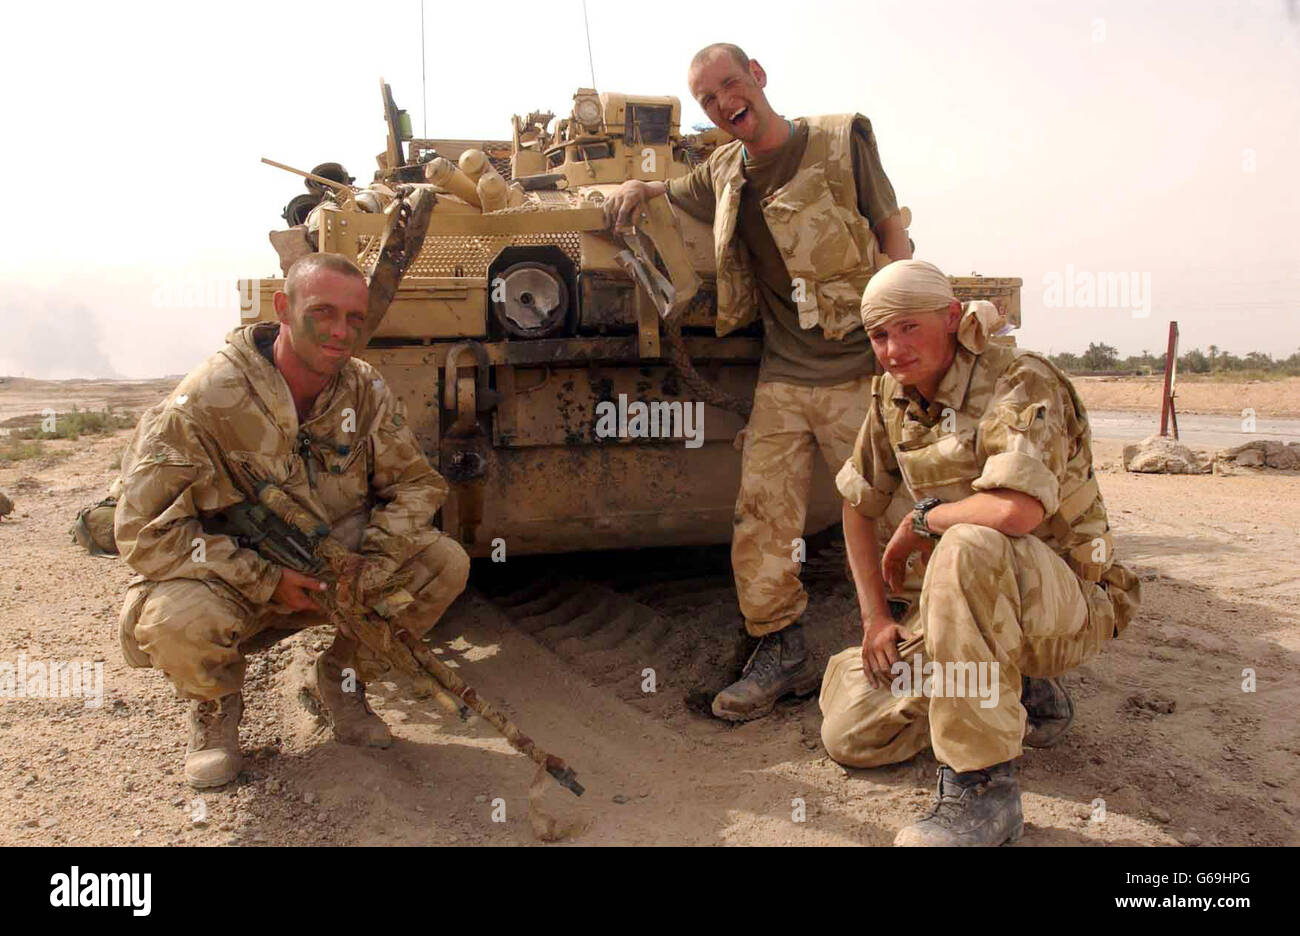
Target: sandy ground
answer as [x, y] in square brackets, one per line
[23, 396]
[1193, 395]
[1165, 734]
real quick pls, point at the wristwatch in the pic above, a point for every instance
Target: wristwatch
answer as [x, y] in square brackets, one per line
[919, 512]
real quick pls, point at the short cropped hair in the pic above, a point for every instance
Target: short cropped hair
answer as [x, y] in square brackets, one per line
[736, 52]
[305, 266]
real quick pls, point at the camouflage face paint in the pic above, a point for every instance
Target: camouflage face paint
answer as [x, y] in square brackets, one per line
[307, 337]
[325, 325]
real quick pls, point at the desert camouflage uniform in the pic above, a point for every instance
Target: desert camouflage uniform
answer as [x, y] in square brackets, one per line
[787, 427]
[1037, 605]
[830, 253]
[814, 219]
[229, 425]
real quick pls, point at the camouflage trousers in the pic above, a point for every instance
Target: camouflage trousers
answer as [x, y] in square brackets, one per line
[199, 631]
[1007, 604]
[787, 426]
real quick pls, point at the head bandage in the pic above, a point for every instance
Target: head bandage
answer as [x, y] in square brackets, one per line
[908, 287]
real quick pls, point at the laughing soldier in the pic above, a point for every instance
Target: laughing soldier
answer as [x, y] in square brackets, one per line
[1020, 579]
[802, 216]
[287, 404]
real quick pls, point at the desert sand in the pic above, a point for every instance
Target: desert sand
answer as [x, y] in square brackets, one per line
[1166, 740]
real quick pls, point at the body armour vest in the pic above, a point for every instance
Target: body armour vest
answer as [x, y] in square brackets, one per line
[829, 249]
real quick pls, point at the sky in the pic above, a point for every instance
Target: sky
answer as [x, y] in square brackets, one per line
[1153, 143]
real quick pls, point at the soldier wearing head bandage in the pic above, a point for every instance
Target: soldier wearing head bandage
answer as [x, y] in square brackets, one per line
[1020, 581]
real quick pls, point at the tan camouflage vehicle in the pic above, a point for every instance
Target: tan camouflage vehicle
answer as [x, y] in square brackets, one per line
[529, 344]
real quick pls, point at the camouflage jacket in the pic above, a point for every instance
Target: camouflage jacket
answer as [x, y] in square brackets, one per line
[1004, 418]
[829, 249]
[230, 424]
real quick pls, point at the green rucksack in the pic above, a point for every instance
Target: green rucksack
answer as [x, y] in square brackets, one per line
[93, 528]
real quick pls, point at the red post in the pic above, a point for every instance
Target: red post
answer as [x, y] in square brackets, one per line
[1167, 414]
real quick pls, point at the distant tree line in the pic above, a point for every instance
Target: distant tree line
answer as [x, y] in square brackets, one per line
[1103, 357]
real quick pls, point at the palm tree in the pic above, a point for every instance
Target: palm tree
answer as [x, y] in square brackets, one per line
[1214, 350]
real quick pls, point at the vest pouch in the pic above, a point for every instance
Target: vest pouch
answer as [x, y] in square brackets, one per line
[948, 463]
[840, 304]
[806, 302]
[814, 241]
[1084, 557]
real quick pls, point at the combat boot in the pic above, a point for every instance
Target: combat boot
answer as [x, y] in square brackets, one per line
[349, 714]
[778, 667]
[979, 807]
[212, 758]
[1050, 711]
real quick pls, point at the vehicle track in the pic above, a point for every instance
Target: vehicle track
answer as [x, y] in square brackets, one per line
[615, 616]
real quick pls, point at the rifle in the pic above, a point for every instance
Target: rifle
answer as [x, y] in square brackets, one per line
[285, 533]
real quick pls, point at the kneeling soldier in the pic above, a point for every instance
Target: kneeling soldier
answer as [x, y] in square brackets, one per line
[1020, 579]
[287, 404]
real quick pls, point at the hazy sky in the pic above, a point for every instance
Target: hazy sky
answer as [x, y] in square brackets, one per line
[1030, 139]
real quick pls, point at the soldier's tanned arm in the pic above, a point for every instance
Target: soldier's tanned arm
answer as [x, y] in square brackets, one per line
[867, 483]
[892, 238]
[1006, 511]
[693, 193]
[158, 530]
[876, 199]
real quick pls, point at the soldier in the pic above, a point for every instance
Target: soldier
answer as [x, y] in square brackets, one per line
[1020, 579]
[802, 215]
[285, 403]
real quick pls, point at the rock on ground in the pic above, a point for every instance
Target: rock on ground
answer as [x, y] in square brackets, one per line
[1263, 453]
[1160, 455]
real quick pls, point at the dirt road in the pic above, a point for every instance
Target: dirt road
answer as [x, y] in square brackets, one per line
[1166, 739]
[1210, 432]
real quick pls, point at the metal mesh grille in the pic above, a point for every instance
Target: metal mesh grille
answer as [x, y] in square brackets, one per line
[461, 255]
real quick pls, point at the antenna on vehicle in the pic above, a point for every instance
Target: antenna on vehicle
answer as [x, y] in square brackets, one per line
[590, 61]
[424, 84]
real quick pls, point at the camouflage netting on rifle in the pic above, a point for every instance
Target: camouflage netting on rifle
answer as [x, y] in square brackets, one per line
[370, 625]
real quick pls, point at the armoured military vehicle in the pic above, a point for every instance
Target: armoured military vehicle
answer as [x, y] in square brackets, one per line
[523, 323]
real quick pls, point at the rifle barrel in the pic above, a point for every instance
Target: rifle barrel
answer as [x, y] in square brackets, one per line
[364, 626]
[309, 175]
